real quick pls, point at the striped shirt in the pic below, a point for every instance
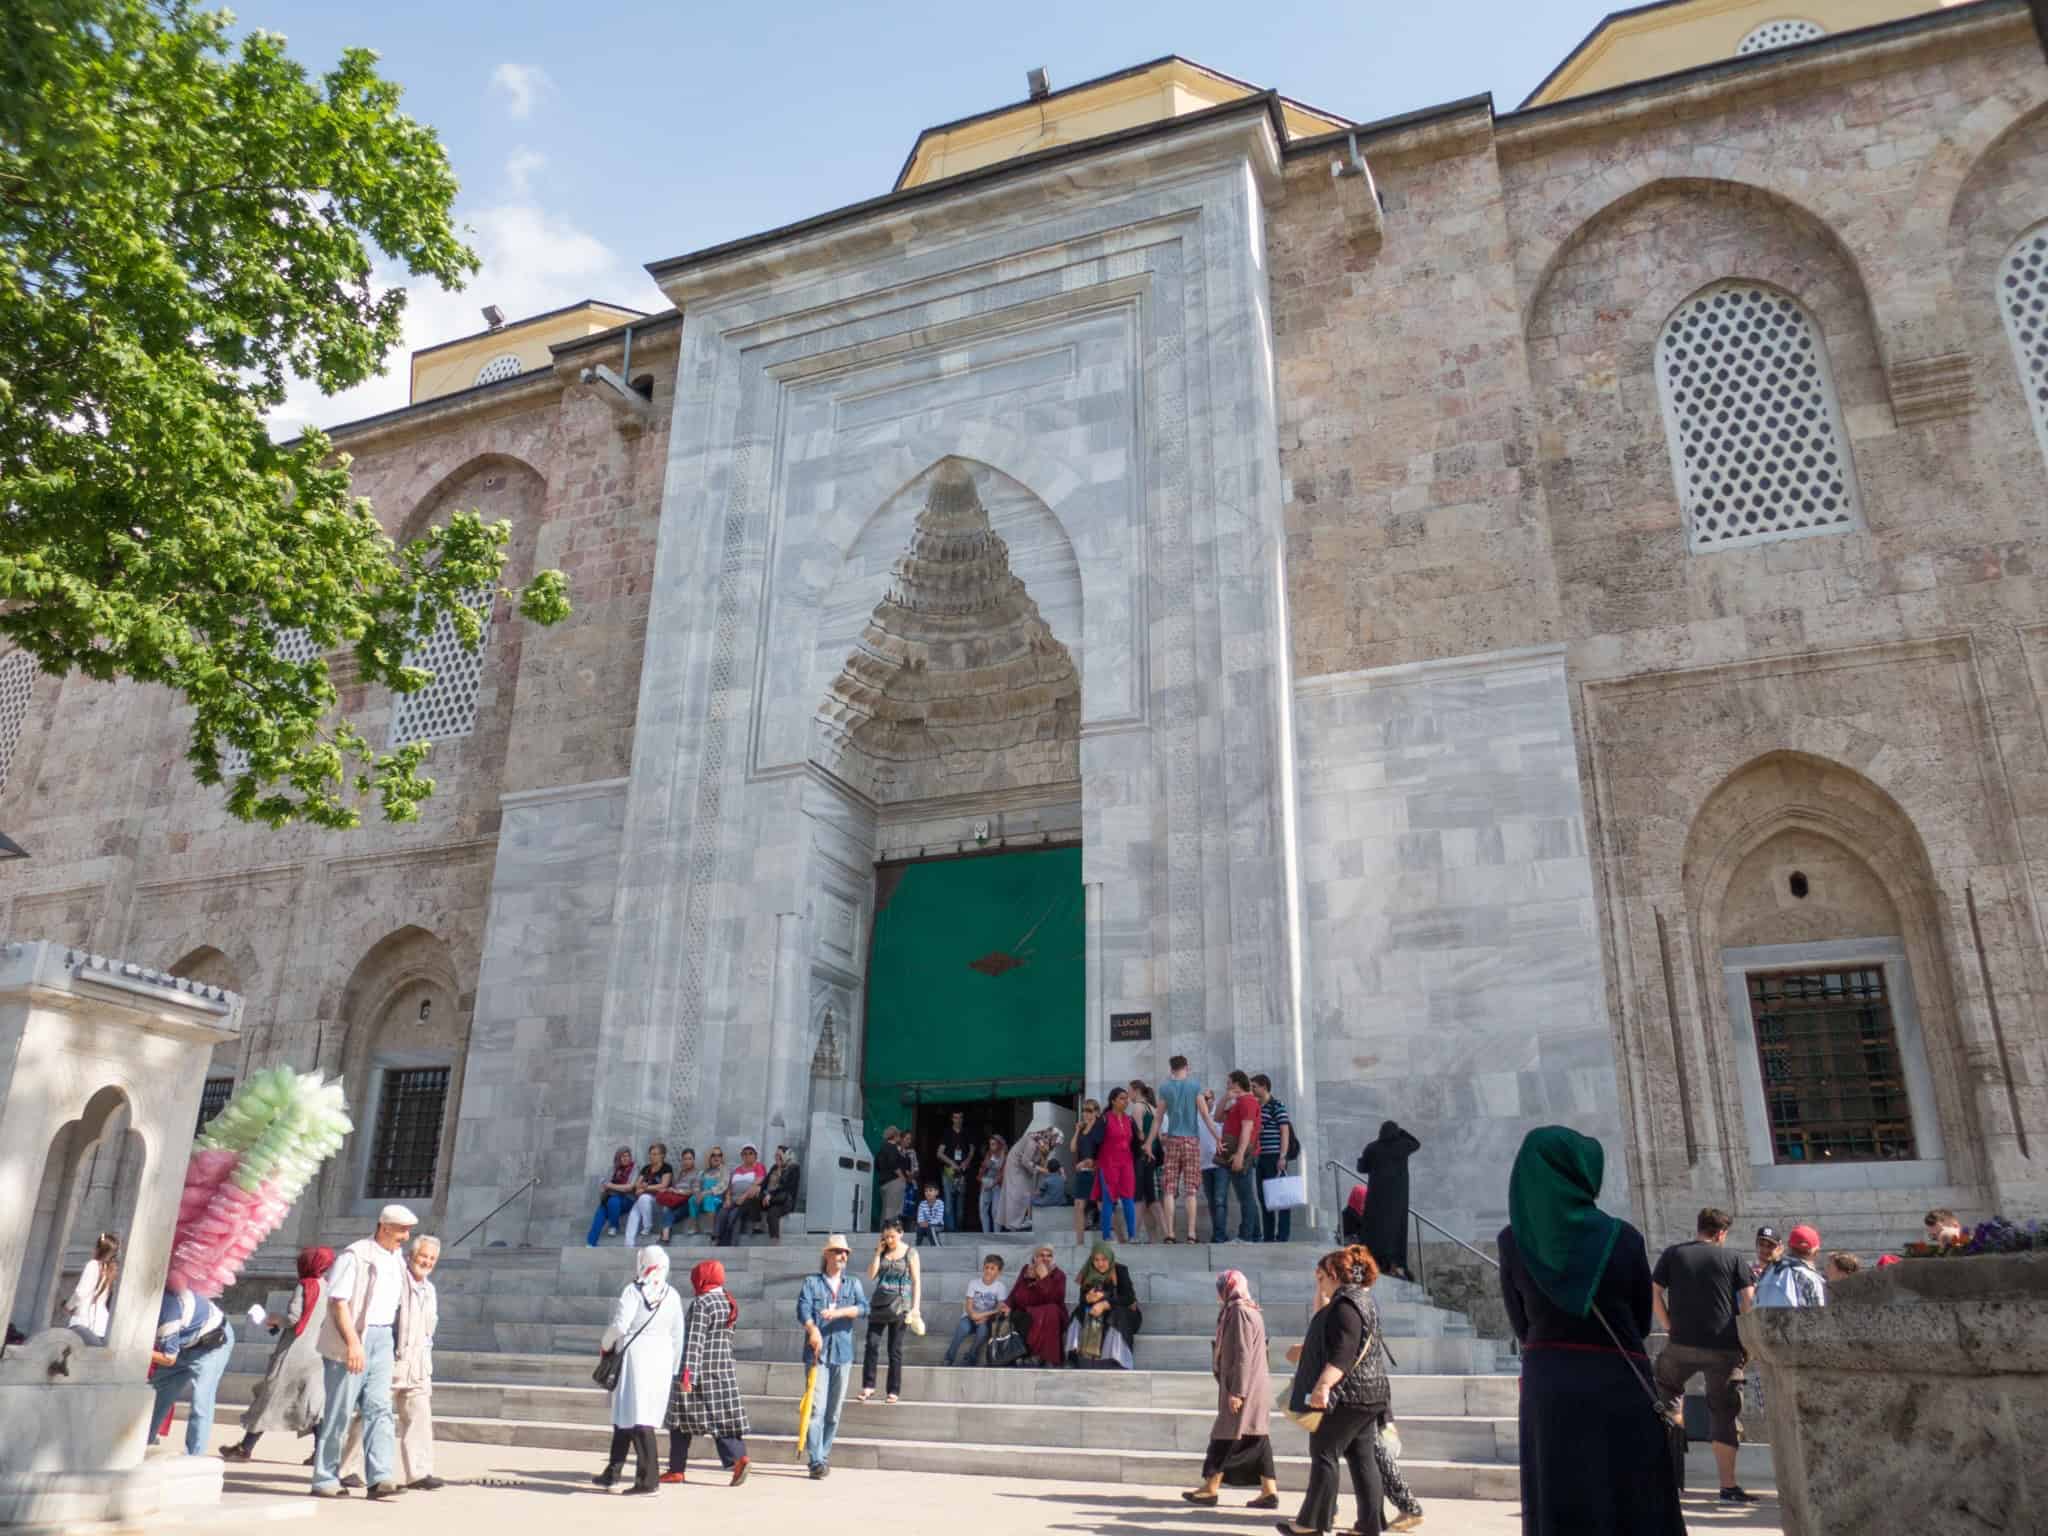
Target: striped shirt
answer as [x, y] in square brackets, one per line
[1272, 1115]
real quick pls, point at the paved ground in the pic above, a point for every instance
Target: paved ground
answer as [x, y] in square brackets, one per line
[499, 1492]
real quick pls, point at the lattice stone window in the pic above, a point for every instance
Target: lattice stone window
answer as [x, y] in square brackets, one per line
[213, 1098]
[1757, 442]
[2023, 300]
[1780, 34]
[1834, 1086]
[293, 644]
[505, 366]
[447, 706]
[409, 1113]
[17, 683]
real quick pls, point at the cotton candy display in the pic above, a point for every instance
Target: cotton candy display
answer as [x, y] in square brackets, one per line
[248, 1166]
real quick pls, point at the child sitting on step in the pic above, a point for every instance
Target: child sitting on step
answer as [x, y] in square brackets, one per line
[931, 1218]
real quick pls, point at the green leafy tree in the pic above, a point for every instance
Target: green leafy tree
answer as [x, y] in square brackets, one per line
[186, 221]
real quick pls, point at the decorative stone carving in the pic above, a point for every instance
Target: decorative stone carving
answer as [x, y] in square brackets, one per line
[957, 683]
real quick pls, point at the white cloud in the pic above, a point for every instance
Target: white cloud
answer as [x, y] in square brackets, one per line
[520, 169]
[532, 261]
[523, 85]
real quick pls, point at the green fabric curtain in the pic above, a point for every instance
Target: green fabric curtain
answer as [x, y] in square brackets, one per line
[976, 977]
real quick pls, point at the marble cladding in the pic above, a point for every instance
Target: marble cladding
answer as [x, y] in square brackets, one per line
[530, 1074]
[1099, 350]
[1454, 979]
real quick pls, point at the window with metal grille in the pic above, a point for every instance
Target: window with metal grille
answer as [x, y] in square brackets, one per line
[2023, 300]
[293, 644]
[447, 706]
[1834, 1088]
[17, 683]
[505, 366]
[408, 1133]
[1757, 442]
[213, 1098]
[1780, 34]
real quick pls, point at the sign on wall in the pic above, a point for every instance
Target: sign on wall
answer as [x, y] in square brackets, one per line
[1124, 1027]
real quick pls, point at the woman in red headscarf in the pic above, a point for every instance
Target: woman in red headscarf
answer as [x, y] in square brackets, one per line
[706, 1397]
[293, 1392]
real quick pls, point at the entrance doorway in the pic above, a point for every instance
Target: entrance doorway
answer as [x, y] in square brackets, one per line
[976, 985]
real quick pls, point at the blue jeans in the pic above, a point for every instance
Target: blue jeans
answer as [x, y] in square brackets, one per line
[1245, 1182]
[1279, 1225]
[956, 1192]
[201, 1374]
[611, 1212]
[370, 1394]
[1130, 1218]
[1216, 1191]
[974, 1335]
[833, 1380]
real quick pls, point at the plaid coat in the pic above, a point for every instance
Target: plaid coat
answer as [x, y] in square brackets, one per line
[712, 1406]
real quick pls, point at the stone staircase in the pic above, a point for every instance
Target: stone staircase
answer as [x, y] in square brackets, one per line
[519, 1330]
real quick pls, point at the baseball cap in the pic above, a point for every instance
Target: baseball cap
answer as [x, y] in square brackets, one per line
[1803, 1239]
[1767, 1234]
[396, 1216]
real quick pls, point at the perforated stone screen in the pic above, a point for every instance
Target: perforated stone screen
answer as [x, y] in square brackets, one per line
[447, 706]
[505, 367]
[17, 682]
[2023, 300]
[1757, 442]
[1780, 34]
[292, 644]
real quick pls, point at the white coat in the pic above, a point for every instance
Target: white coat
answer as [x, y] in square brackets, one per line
[652, 1360]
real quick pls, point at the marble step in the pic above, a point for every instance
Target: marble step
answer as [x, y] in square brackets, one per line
[1443, 1479]
[1133, 1427]
[1441, 1355]
[1401, 1319]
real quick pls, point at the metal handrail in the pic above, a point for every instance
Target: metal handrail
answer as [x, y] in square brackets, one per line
[522, 1189]
[1421, 1220]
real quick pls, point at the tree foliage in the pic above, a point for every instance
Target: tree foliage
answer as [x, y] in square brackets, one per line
[186, 221]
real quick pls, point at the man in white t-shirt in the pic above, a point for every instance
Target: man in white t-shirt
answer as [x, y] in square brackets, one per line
[986, 1294]
[363, 1292]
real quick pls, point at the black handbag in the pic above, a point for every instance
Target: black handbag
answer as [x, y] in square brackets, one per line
[611, 1362]
[1675, 1441]
[1008, 1346]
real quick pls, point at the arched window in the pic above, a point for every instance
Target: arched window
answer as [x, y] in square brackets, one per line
[1782, 33]
[1757, 442]
[447, 706]
[2023, 300]
[17, 682]
[505, 366]
[293, 644]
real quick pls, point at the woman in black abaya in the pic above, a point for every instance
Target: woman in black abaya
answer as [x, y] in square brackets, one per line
[1595, 1452]
[1384, 1163]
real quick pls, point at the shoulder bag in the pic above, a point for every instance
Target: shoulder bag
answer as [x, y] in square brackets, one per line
[1006, 1346]
[612, 1361]
[1311, 1419]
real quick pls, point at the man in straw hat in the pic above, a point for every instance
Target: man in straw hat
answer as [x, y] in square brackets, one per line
[364, 1291]
[828, 1306]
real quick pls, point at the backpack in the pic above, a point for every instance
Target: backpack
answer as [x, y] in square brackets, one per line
[1790, 1283]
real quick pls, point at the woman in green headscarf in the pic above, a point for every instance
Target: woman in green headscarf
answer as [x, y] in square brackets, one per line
[1576, 1281]
[1106, 1319]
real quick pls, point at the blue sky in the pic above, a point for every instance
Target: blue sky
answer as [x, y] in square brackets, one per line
[590, 139]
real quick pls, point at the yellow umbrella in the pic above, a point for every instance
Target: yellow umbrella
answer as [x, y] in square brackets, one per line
[803, 1409]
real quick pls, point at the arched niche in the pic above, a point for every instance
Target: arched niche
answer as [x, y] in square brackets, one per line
[405, 1036]
[44, 1286]
[1818, 917]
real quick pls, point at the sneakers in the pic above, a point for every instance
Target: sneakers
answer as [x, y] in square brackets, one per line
[608, 1476]
[739, 1471]
[386, 1491]
[1406, 1522]
[821, 1469]
[426, 1484]
[673, 1477]
[351, 1481]
[330, 1491]
[1737, 1495]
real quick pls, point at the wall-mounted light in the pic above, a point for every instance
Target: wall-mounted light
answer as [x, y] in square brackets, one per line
[426, 1007]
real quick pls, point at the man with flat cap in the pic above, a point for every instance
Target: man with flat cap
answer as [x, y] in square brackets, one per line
[365, 1289]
